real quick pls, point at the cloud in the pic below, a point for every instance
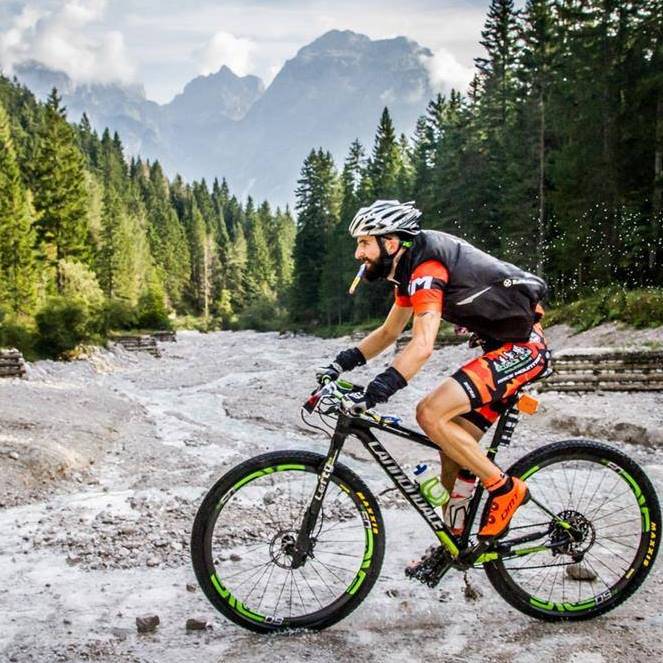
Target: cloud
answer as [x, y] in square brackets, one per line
[63, 38]
[225, 48]
[445, 72]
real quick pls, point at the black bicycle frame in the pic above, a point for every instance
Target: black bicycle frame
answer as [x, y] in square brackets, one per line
[361, 429]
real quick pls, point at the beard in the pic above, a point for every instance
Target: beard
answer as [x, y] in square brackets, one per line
[374, 270]
[381, 267]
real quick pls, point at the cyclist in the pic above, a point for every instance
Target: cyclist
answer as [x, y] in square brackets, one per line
[438, 276]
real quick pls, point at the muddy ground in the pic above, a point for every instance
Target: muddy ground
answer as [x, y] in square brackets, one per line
[105, 460]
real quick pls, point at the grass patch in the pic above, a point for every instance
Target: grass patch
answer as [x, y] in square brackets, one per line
[637, 308]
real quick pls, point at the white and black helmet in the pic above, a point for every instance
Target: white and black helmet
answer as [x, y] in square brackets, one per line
[384, 217]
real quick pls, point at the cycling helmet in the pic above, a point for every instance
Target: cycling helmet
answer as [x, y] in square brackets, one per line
[384, 217]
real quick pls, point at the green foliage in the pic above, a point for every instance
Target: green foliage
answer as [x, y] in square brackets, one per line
[80, 282]
[119, 314]
[152, 312]
[57, 179]
[263, 314]
[62, 324]
[551, 161]
[15, 334]
[17, 235]
[638, 308]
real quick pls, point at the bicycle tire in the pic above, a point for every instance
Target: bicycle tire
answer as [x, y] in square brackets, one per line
[647, 507]
[273, 466]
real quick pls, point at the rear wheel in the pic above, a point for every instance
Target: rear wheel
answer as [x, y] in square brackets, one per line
[615, 517]
[244, 532]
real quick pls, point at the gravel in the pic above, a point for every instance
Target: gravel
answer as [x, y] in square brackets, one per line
[106, 460]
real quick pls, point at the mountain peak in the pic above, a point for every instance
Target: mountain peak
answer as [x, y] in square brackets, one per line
[337, 40]
[222, 93]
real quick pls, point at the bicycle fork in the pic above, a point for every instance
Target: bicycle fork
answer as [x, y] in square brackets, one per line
[303, 546]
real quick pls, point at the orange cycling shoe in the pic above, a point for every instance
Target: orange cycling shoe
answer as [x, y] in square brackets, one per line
[503, 503]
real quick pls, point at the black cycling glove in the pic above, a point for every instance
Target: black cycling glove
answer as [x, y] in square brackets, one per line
[379, 390]
[345, 360]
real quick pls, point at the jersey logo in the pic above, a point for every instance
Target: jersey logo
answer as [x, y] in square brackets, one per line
[421, 283]
[471, 298]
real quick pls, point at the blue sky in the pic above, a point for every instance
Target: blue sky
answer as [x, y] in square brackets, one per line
[165, 43]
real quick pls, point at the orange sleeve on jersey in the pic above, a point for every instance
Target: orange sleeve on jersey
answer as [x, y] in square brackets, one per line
[427, 286]
[403, 301]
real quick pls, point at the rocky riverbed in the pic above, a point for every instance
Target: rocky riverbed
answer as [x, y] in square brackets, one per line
[105, 460]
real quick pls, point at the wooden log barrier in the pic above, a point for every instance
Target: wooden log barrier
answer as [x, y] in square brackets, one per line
[143, 343]
[606, 370]
[165, 336]
[12, 364]
[442, 341]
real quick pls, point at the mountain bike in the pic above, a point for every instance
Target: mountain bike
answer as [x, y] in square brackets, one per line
[295, 539]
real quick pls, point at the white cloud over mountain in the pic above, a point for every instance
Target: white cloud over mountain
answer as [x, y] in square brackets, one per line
[165, 43]
[445, 72]
[225, 48]
[65, 36]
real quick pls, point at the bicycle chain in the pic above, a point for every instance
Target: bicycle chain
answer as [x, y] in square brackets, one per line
[431, 567]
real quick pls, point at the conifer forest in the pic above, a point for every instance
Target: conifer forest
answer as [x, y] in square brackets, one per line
[552, 159]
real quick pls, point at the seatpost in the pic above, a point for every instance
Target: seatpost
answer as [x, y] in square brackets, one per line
[302, 546]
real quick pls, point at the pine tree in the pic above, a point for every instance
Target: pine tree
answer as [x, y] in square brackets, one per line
[385, 162]
[58, 180]
[260, 270]
[317, 208]
[339, 265]
[17, 235]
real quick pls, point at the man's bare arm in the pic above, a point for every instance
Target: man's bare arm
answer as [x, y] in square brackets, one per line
[387, 333]
[416, 353]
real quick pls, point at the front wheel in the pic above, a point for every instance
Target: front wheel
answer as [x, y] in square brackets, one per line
[243, 535]
[615, 518]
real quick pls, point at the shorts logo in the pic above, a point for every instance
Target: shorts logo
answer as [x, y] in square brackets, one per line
[421, 283]
[514, 358]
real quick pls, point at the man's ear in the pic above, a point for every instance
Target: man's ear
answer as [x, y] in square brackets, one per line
[394, 244]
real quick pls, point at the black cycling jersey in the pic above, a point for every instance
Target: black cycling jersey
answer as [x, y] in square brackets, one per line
[490, 297]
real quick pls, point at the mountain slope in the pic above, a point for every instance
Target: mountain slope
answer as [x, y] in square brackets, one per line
[330, 93]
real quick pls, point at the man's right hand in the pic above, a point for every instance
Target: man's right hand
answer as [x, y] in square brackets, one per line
[328, 373]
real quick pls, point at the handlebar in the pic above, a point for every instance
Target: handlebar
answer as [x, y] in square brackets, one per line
[337, 391]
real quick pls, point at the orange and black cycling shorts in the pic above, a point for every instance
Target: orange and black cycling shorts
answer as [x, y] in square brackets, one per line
[489, 380]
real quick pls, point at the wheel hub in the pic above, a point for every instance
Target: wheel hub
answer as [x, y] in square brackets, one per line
[577, 539]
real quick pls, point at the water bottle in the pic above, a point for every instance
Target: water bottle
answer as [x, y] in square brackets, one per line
[430, 485]
[458, 504]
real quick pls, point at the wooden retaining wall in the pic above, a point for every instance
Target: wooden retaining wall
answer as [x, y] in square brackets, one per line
[12, 364]
[609, 370]
[143, 343]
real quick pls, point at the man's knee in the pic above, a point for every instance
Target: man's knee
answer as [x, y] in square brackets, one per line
[428, 416]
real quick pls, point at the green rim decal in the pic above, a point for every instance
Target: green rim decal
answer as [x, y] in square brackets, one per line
[368, 555]
[637, 491]
[356, 583]
[236, 605]
[267, 470]
[529, 472]
[563, 607]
